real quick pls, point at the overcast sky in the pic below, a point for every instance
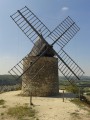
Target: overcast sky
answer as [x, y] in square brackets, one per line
[14, 45]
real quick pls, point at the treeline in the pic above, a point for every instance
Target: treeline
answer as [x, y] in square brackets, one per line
[9, 80]
[9, 83]
[84, 78]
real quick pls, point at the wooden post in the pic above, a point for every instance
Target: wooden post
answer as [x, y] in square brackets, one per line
[30, 90]
[79, 93]
[63, 95]
[30, 94]
[30, 98]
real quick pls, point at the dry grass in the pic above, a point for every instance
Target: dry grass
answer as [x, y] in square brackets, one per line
[77, 101]
[2, 102]
[75, 116]
[21, 112]
[80, 103]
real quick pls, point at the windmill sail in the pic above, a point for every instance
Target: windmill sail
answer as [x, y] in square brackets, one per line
[69, 68]
[17, 70]
[64, 32]
[33, 28]
[30, 24]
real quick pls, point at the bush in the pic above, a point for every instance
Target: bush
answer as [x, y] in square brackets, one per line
[72, 89]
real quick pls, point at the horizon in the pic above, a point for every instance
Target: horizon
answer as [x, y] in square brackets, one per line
[58, 75]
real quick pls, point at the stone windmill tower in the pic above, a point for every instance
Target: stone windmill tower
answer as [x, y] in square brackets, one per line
[45, 83]
[39, 69]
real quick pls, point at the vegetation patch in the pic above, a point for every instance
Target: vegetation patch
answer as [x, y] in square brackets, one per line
[72, 89]
[78, 102]
[2, 102]
[82, 104]
[21, 112]
[88, 93]
[4, 106]
[75, 116]
[2, 114]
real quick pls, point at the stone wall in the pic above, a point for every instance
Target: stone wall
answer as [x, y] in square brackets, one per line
[42, 78]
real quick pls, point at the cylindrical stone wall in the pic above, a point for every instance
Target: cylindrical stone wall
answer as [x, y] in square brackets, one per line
[42, 78]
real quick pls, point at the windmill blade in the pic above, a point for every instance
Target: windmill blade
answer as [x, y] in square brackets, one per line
[68, 67]
[17, 70]
[30, 25]
[63, 33]
[33, 28]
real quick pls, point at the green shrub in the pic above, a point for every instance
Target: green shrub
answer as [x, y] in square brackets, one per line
[88, 93]
[72, 89]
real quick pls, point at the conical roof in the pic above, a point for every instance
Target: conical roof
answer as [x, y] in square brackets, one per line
[39, 47]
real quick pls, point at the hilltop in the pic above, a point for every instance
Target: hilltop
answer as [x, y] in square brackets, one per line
[48, 108]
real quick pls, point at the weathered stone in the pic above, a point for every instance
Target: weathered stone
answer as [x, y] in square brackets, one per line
[42, 78]
[40, 46]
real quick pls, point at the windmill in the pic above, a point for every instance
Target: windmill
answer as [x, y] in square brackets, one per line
[46, 55]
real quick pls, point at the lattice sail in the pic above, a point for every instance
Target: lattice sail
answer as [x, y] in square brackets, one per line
[33, 28]
[30, 24]
[64, 32]
[17, 70]
[69, 68]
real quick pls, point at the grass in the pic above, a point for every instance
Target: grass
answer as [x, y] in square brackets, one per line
[75, 116]
[4, 106]
[21, 112]
[88, 94]
[2, 114]
[82, 105]
[77, 101]
[2, 102]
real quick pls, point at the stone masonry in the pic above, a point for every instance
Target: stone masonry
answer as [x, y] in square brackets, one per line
[42, 78]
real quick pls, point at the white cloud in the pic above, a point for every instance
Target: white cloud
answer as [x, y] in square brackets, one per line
[65, 8]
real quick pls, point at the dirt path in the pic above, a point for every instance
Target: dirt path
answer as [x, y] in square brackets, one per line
[48, 108]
